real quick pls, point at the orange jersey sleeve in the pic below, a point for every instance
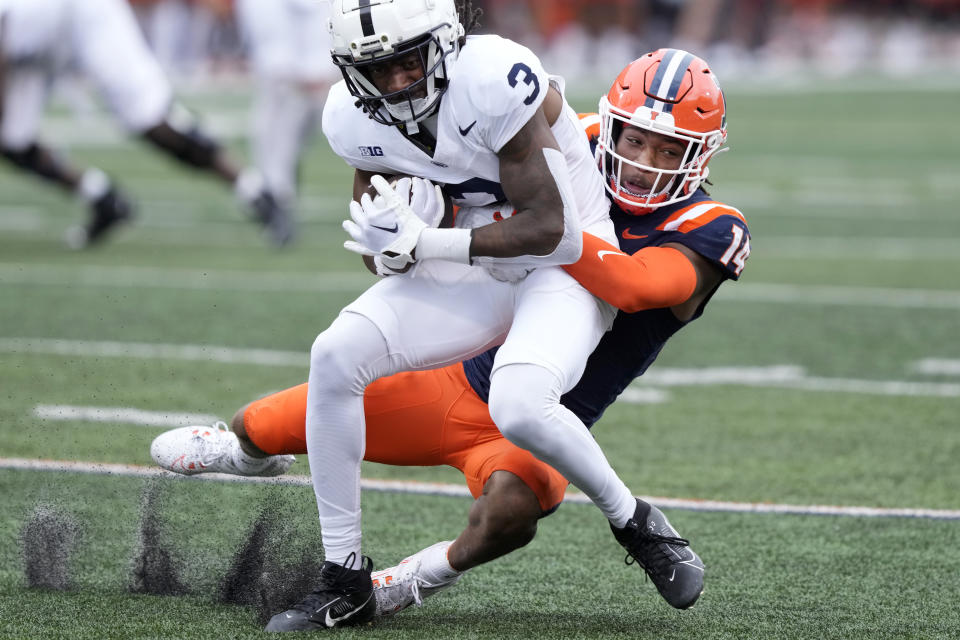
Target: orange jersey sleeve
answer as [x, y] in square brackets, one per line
[651, 278]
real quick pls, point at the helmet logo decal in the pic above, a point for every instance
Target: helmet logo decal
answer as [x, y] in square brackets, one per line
[366, 18]
[666, 81]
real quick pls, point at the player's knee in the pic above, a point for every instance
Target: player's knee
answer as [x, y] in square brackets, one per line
[507, 516]
[333, 365]
[509, 525]
[325, 357]
[518, 415]
[522, 400]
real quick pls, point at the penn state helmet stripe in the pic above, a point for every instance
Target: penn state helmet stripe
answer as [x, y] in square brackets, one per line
[366, 18]
[666, 82]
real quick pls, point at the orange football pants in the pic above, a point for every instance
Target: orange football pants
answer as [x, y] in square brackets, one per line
[416, 418]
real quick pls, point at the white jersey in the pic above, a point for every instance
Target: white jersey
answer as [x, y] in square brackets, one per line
[495, 87]
[43, 38]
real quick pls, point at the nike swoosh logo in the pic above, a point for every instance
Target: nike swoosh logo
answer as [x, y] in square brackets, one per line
[673, 575]
[396, 227]
[463, 131]
[331, 622]
[600, 254]
[629, 236]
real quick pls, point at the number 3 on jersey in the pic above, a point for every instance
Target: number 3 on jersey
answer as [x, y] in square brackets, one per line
[739, 257]
[528, 78]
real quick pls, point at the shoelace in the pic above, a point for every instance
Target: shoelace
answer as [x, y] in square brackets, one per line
[649, 545]
[399, 596]
[330, 581]
[208, 456]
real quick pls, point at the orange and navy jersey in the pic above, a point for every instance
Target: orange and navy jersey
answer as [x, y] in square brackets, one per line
[716, 231]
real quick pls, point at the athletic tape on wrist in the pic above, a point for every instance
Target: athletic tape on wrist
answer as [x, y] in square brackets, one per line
[452, 245]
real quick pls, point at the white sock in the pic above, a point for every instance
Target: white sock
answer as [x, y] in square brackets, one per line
[244, 461]
[435, 569]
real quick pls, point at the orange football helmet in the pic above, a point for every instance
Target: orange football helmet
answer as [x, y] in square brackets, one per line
[673, 93]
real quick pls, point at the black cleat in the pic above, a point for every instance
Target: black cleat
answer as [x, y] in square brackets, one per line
[344, 597]
[667, 558]
[106, 212]
[276, 219]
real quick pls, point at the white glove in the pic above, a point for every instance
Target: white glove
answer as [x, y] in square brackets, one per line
[388, 225]
[426, 200]
[374, 223]
[382, 265]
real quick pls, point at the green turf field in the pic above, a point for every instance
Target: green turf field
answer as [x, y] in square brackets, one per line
[839, 350]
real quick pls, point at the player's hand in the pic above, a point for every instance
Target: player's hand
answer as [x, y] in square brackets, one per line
[387, 225]
[426, 200]
[381, 264]
[375, 222]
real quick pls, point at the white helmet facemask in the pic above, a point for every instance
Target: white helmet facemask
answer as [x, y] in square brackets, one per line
[669, 185]
[366, 33]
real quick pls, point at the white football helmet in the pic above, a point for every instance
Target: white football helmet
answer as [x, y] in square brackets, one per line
[366, 32]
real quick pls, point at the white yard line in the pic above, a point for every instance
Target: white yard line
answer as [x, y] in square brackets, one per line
[637, 395]
[434, 488]
[643, 391]
[873, 387]
[840, 295]
[125, 415]
[937, 367]
[864, 248]
[678, 377]
[99, 130]
[150, 351]
[172, 278]
[348, 281]
[790, 377]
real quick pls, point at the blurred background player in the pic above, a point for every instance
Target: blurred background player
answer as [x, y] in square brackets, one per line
[683, 244]
[44, 39]
[187, 36]
[289, 49]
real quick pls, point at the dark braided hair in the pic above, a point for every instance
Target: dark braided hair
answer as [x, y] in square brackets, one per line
[469, 16]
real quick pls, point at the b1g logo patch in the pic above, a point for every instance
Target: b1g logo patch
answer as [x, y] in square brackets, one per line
[371, 151]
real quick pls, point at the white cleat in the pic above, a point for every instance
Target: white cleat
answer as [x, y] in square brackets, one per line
[213, 449]
[401, 586]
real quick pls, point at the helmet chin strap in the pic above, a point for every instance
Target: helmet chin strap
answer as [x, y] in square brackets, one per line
[405, 114]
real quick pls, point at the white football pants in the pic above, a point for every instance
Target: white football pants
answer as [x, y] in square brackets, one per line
[548, 325]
